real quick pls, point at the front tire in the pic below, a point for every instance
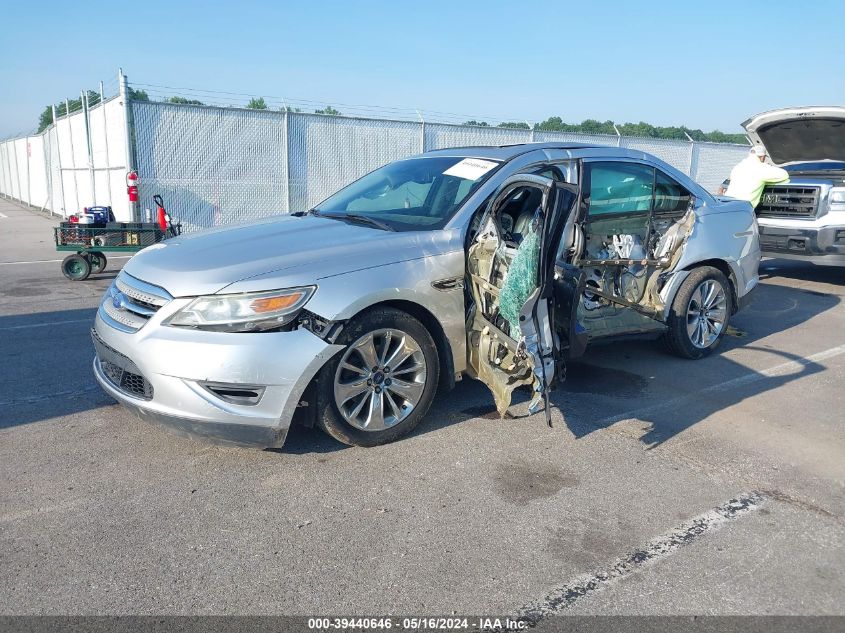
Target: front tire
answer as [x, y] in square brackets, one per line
[700, 313]
[382, 384]
[76, 268]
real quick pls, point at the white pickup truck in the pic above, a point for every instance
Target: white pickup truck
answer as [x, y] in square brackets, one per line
[804, 218]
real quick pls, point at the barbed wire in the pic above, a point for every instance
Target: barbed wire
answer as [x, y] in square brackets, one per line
[213, 97]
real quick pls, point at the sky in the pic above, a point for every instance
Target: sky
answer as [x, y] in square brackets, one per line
[707, 65]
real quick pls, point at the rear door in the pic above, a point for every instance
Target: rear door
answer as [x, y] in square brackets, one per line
[634, 221]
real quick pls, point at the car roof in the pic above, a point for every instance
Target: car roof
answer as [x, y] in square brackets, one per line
[506, 152]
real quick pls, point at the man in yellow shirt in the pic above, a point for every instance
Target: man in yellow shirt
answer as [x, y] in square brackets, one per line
[752, 174]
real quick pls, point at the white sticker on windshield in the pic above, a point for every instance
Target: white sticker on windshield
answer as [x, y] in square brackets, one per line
[470, 168]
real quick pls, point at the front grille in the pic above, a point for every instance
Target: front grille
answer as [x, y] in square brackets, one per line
[130, 303]
[788, 201]
[124, 316]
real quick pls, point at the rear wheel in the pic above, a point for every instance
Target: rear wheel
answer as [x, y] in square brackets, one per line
[76, 268]
[700, 313]
[98, 261]
[380, 387]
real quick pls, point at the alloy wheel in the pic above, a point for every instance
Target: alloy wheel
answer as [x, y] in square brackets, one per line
[706, 313]
[380, 379]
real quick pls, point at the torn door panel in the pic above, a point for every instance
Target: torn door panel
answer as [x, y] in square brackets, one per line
[499, 291]
[630, 269]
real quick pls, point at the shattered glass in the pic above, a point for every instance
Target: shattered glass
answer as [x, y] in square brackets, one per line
[521, 278]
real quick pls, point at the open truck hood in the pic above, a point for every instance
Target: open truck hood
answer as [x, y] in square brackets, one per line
[799, 135]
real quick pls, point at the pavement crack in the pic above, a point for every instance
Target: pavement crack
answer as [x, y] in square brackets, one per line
[562, 598]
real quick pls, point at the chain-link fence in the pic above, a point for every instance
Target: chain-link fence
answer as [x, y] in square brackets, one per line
[220, 165]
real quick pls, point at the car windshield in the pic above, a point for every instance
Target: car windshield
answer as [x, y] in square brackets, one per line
[417, 194]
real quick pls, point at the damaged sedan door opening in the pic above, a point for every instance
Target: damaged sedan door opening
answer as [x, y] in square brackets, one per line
[511, 336]
[550, 269]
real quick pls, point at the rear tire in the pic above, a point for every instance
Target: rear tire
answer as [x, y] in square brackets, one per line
[366, 391]
[98, 261]
[76, 268]
[700, 314]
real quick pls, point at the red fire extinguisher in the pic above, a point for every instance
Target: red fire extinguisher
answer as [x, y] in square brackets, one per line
[132, 185]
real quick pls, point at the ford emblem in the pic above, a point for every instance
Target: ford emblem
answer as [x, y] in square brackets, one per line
[118, 301]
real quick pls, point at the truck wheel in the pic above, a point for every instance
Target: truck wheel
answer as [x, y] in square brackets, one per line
[98, 261]
[76, 268]
[382, 384]
[700, 313]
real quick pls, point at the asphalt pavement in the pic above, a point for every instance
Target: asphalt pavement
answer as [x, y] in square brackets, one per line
[665, 487]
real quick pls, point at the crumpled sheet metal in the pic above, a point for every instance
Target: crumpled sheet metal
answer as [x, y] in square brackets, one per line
[503, 377]
[501, 372]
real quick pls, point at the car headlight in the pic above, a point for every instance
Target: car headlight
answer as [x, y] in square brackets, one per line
[248, 312]
[837, 199]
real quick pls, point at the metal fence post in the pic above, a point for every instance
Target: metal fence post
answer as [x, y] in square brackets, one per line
[106, 142]
[7, 165]
[618, 136]
[46, 150]
[3, 170]
[531, 134]
[87, 121]
[287, 158]
[28, 173]
[123, 91]
[59, 158]
[72, 154]
[17, 170]
[422, 132]
[3, 184]
[691, 151]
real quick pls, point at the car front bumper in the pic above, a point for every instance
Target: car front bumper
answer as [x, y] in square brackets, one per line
[166, 371]
[820, 245]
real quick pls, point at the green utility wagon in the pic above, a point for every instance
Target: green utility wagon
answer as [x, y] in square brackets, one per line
[90, 244]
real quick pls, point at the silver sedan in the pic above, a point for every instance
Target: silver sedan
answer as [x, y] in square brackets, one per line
[498, 263]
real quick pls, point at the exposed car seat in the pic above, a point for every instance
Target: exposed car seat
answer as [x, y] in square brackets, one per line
[525, 213]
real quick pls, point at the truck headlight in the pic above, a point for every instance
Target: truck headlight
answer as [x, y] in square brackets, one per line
[248, 312]
[837, 199]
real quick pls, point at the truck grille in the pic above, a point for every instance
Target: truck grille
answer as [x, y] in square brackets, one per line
[130, 303]
[788, 201]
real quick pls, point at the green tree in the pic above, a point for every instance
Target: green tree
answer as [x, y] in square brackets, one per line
[477, 123]
[328, 110]
[720, 137]
[289, 109]
[257, 104]
[592, 126]
[137, 95]
[45, 120]
[184, 101]
[552, 124]
[638, 129]
[516, 125]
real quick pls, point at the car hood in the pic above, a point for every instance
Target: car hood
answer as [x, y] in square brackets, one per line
[804, 134]
[296, 250]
